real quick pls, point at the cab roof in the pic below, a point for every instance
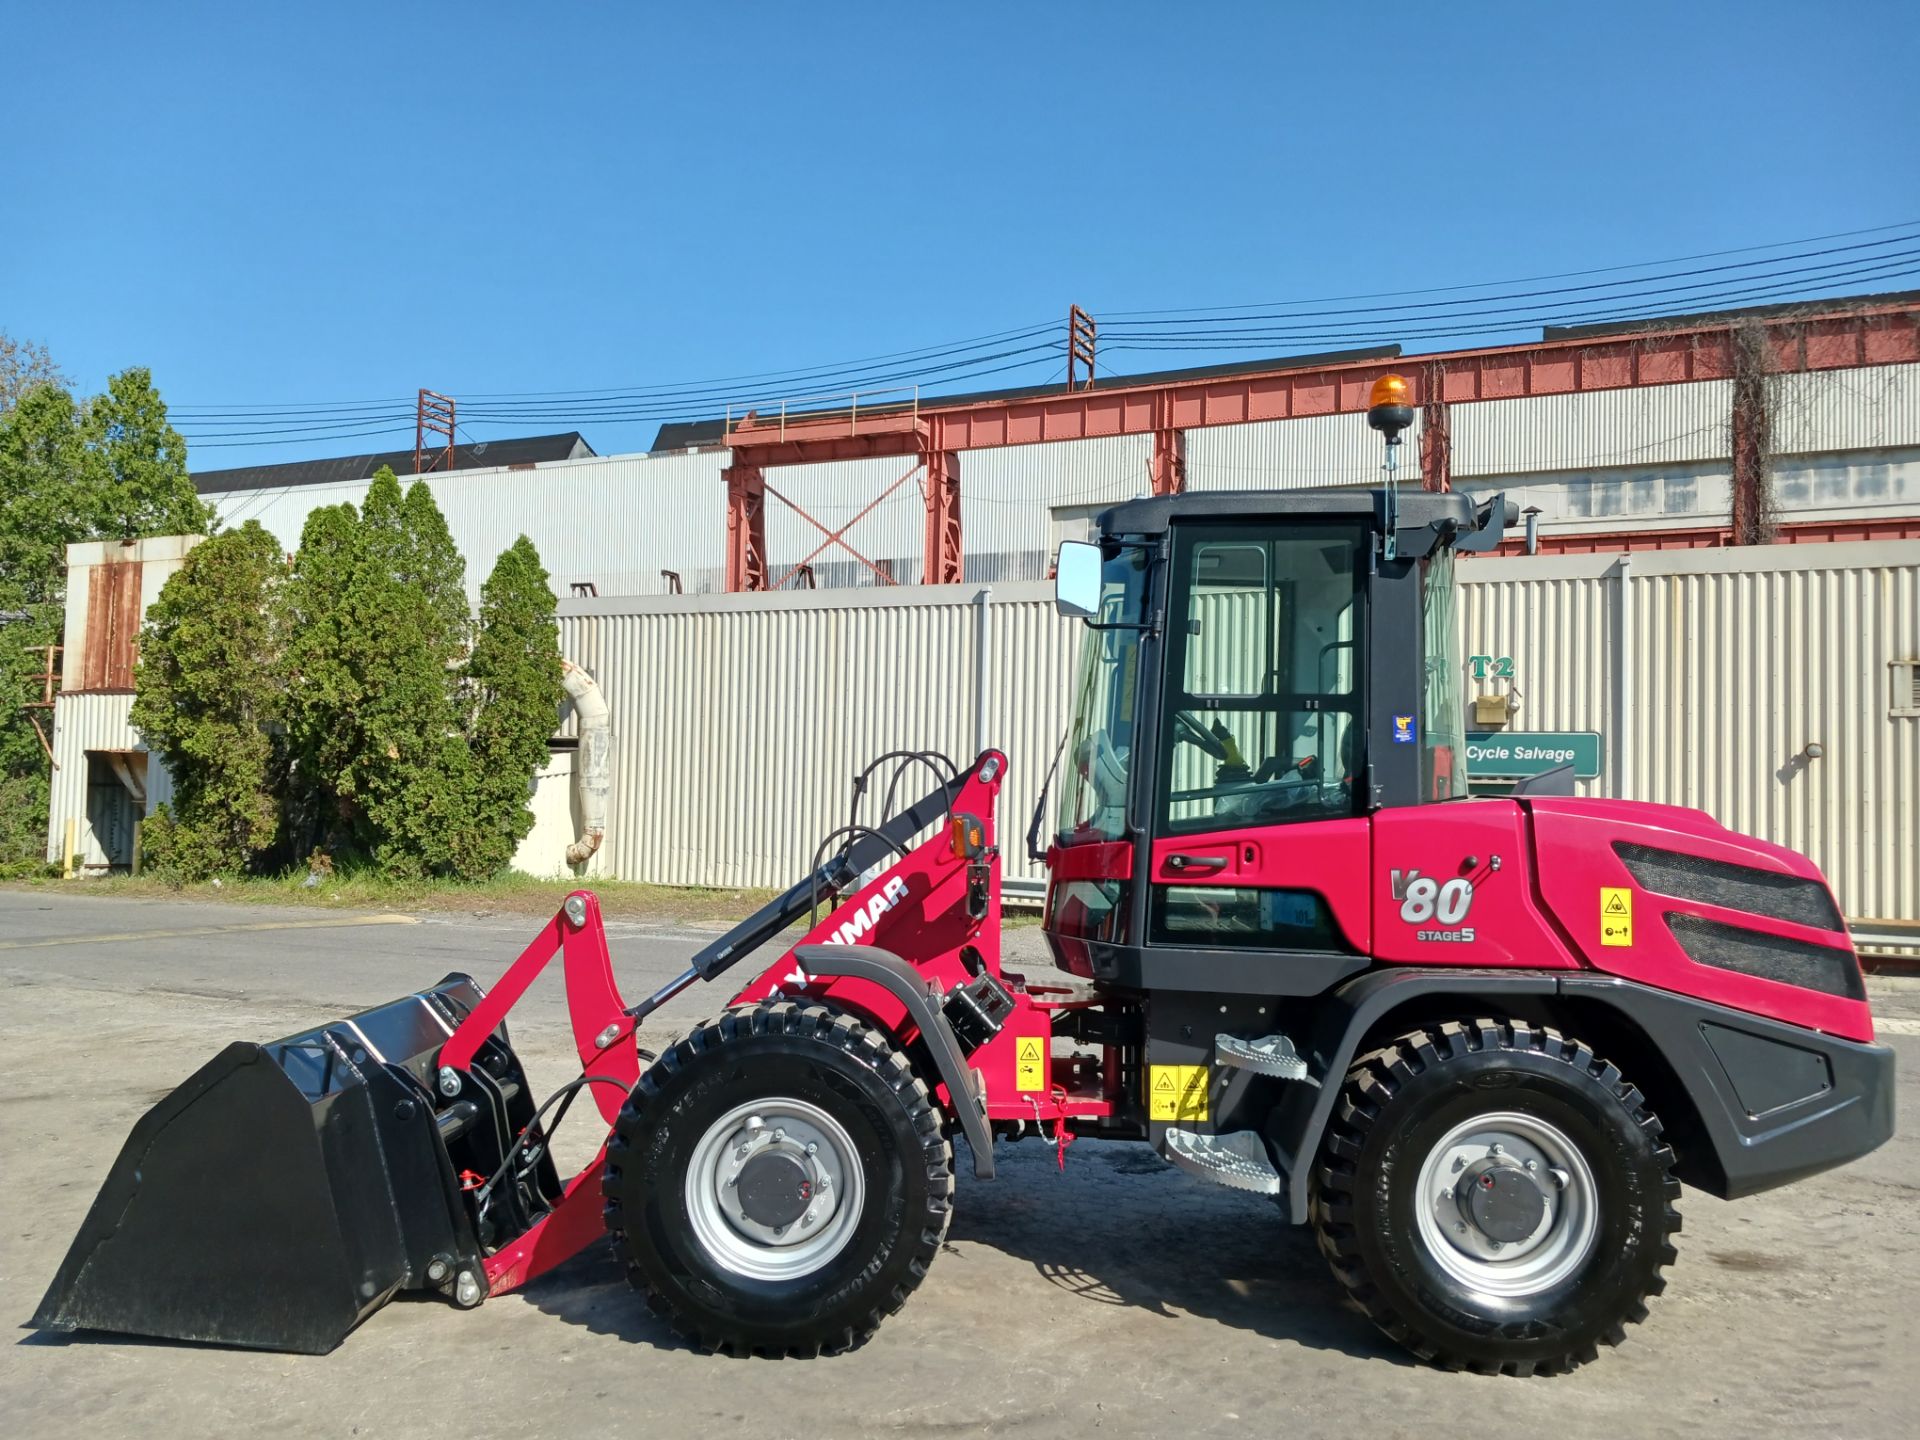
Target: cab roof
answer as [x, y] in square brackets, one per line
[1418, 509]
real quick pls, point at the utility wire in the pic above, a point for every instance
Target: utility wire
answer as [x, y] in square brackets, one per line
[1217, 329]
[1525, 279]
[1393, 312]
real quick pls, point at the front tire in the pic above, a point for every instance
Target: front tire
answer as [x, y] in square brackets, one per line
[1496, 1197]
[778, 1182]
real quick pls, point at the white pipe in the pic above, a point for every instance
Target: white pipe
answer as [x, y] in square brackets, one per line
[1623, 663]
[983, 619]
[592, 763]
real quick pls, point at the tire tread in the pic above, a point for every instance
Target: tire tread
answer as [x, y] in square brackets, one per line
[1372, 1081]
[816, 1024]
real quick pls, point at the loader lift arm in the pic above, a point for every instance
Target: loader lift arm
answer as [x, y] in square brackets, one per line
[604, 1028]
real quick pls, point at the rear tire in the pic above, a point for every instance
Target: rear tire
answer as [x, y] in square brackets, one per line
[1495, 1197]
[778, 1182]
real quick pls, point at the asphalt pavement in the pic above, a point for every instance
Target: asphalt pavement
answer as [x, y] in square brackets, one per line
[1120, 1296]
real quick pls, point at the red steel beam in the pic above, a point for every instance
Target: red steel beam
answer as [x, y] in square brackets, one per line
[1861, 336]
[1436, 433]
[1168, 469]
[943, 561]
[746, 526]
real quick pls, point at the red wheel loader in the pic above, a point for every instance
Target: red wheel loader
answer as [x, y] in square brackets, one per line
[1478, 1044]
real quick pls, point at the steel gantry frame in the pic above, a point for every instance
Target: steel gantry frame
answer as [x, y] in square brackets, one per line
[933, 435]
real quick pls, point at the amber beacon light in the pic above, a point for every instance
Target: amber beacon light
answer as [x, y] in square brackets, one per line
[1389, 405]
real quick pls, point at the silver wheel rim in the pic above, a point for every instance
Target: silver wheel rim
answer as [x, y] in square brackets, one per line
[1559, 1244]
[822, 1148]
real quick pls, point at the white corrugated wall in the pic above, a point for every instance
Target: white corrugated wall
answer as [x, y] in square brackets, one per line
[1741, 664]
[1734, 662]
[95, 720]
[739, 724]
[1555, 618]
[1296, 454]
[614, 521]
[1596, 428]
[740, 721]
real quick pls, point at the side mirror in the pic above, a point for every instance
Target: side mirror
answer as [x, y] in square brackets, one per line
[1076, 580]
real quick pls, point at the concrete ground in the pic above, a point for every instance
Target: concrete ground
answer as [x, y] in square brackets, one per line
[1123, 1297]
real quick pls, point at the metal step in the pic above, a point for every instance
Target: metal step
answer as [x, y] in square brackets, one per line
[1238, 1160]
[1265, 1055]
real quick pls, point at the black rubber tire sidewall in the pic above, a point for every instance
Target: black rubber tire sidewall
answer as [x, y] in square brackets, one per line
[1629, 1180]
[843, 1295]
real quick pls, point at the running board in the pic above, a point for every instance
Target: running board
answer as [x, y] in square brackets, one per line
[1266, 1055]
[1238, 1161]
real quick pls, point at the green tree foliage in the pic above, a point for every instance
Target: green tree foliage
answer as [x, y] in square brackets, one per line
[380, 620]
[111, 468]
[324, 737]
[211, 696]
[514, 684]
[141, 480]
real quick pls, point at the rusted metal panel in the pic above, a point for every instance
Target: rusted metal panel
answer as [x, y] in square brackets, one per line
[113, 626]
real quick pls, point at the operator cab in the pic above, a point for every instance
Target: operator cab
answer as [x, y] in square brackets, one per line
[1261, 672]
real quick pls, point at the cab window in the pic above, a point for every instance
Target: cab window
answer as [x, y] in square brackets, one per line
[1262, 723]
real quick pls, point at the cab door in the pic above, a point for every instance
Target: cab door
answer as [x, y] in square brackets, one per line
[1259, 835]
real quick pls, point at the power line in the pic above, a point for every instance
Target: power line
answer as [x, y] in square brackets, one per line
[1376, 311]
[1348, 332]
[1216, 329]
[1525, 279]
[808, 374]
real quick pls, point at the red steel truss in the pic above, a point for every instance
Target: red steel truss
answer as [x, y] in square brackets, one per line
[935, 434]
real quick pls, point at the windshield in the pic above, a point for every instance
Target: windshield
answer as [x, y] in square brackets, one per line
[1443, 731]
[1093, 799]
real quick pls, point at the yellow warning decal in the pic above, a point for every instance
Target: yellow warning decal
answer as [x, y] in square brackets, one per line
[1616, 915]
[1176, 1092]
[1030, 1063]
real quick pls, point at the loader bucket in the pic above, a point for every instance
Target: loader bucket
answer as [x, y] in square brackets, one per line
[287, 1190]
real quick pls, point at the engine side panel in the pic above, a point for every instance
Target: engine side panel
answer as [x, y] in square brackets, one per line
[1454, 884]
[1621, 926]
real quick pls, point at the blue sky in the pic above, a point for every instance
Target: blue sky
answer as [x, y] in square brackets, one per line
[286, 205]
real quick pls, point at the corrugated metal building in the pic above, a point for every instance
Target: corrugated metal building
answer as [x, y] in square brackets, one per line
[1846, 448]
[103, 778]
[740, 720]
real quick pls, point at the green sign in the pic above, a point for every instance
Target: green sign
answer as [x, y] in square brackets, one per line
[1515, 754]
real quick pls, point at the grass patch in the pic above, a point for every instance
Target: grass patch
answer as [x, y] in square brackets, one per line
[507, 894]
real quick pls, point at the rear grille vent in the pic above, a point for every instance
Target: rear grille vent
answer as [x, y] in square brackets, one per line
[1732, 887]
[1769, 957]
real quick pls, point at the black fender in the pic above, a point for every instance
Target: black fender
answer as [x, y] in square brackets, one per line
[922, 999]
[1773, 1102]
[1295, 1126]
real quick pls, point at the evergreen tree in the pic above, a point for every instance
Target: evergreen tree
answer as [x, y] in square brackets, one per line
[375, 720]
[324, 736]
[431, 562]
[514, 676]
[211, 695]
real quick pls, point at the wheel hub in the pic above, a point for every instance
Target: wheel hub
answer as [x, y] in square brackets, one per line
[1507, 1204]
[775, 1189]
[1502, 1200]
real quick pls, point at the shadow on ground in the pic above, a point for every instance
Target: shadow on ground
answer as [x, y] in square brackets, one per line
[1120, 1228]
